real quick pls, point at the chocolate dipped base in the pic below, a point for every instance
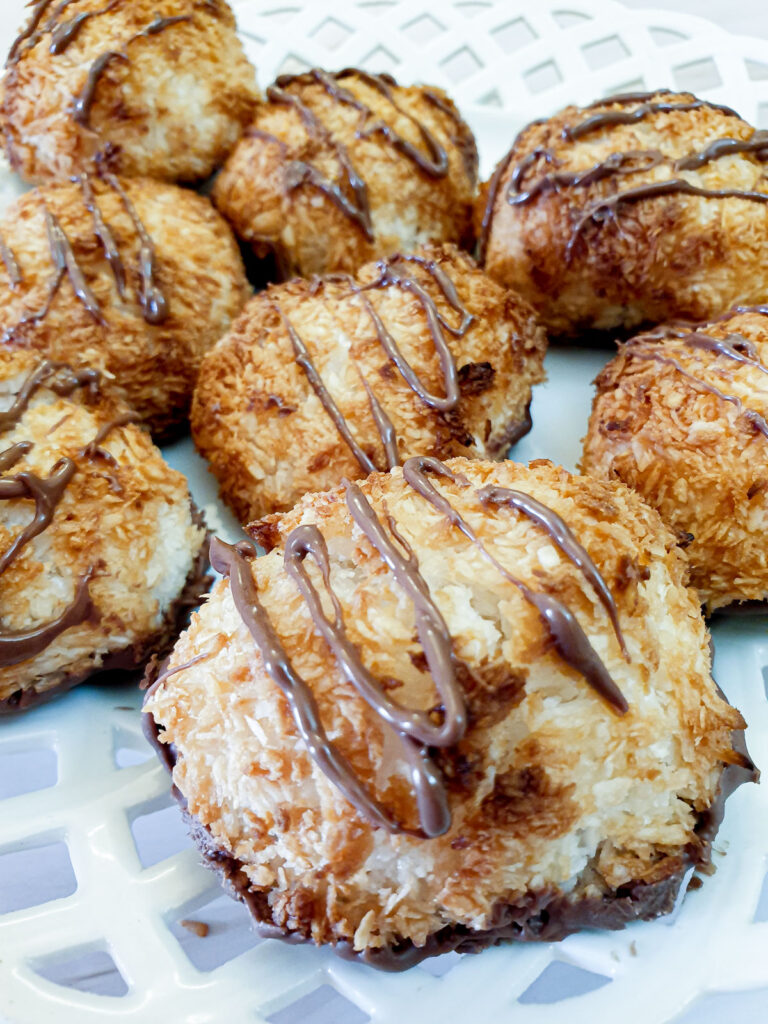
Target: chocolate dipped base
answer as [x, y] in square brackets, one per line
[544, 916]
[134, 658]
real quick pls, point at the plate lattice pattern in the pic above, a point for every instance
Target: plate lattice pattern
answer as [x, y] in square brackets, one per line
[101, 874]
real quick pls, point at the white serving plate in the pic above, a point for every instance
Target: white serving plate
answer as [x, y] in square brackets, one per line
[95, 871]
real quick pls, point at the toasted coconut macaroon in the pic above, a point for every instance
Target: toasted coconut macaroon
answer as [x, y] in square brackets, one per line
[681, 416]
[341, 375]
[160, 88]
[455, 703]
[130, 276]
[338, 169]
[101, 551]
[640, 208]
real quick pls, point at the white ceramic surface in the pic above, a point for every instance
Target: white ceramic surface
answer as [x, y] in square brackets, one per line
[75, 774]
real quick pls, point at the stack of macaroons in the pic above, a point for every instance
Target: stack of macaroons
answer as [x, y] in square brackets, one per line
[456, 702]
[102, 551]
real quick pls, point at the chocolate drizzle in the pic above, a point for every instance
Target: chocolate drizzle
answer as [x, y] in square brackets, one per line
[562, 626]
[617, 164]
[646, 347]
[151, 299]
[153, 304]
[417, 732]
[350, 194]
[65, 32]
[46, 492]
[647, 108]
[438, 325]
[85, 99]
[11, 266]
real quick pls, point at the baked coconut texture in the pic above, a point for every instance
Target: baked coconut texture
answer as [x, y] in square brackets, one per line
[557, 788]
[338, 169]
[101, 550]
[160, 88]
[639, 208]
[133, 277]
[465, 354]
[681, 416]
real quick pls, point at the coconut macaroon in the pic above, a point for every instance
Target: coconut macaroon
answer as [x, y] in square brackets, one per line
[342, 376]
[681, 416]
[338, 169]
[130, 276]
[455, 703]
[641, 207]
[156, 87]
[100, 546]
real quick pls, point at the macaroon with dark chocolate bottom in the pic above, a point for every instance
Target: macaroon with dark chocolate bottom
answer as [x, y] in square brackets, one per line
[455, 703]
[681, 416]
[160, 88]
[339, 168]
[130, 276]
[101, 551]
[638, 208]
[342, 375]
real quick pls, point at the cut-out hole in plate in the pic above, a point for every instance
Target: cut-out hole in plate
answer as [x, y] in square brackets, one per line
[756, 70]
[762, 122]
[331, 33]
[279, 15]
[213, 930]
[513, 35]
[542, 77]
[128, 749]
[697, 76]
[91, 971]
[568, 19]
[423, 29]
[322, 1006]
[666, 36]
[35, 875]
[490, 99]
[377, 6]
[158, 833]
[765, 667]
[379, 59]
[461, 64]
[25, 771]
[633, 85]
[604, 52]
[438, 966]
[293, 65]
[471, 8]
[761, 910]
[562, 981]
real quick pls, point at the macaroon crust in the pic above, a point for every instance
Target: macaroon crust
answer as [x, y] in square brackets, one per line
[556, 799]
[465, 356]
[156, 88]
[639, 208]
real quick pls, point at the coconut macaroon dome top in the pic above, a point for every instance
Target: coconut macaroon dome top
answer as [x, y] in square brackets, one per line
[681, 416]
[339, 168]
[100, 548]
[417, 354]
[160, 88]
[134, 277]
[453, 703]
[640, 207]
